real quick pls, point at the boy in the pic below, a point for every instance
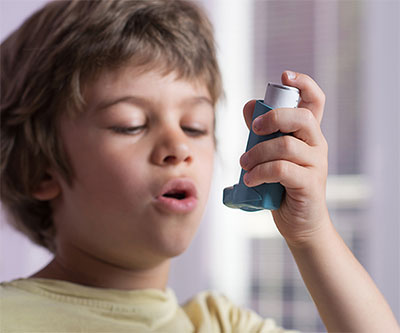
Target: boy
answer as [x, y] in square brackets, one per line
[107, 152]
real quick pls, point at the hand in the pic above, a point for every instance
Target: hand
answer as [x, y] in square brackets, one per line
[298, 161]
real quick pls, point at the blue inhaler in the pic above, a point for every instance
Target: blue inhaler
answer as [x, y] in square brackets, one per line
[264, 196]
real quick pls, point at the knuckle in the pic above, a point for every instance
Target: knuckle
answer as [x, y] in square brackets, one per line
[309, 80]
[257, 174]
[325, 158]
[304, 76]
[325, 145]
[280, 169]
[308, 115]
[253, 175]
[286, 143]
[256, 156]
[322, 97]
[273, 117]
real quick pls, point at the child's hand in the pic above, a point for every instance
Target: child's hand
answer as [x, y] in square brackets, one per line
[297, 161]
[338, 284]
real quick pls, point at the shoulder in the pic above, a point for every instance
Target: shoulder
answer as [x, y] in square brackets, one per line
[13, 296]
[19, 293]
[214, 312]
[15, 305]
[23, 308]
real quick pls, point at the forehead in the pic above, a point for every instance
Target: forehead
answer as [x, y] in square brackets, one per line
[148, 83]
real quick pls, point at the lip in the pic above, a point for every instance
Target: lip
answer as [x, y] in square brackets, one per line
[174, 205]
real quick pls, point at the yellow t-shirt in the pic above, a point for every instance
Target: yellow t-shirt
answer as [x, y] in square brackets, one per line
[44, 305]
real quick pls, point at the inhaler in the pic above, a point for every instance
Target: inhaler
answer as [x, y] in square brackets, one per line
[267, 195]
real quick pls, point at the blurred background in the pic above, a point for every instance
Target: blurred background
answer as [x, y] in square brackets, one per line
[352, 49]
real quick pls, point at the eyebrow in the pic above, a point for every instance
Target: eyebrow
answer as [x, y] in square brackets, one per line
[147, 103]
[135, 100]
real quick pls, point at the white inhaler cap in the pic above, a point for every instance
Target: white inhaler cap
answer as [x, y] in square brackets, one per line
[281, 96]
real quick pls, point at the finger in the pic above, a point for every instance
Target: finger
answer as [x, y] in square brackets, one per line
[248, 110]
[312, 96]
[290, 175]
[300, 122]
[285, 147]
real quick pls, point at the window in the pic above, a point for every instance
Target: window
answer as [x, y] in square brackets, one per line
[327, 40]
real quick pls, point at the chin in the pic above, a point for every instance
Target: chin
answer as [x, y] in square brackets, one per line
[171, 249]
[169, 238]
[174, 243]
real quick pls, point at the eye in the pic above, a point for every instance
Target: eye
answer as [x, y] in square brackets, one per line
[191, 131]
[131, 130]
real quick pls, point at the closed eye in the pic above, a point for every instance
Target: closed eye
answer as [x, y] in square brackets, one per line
[132, 130]
[194, 131]
[128, 130]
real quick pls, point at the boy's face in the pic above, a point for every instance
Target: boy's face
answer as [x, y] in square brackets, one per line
[142, 156]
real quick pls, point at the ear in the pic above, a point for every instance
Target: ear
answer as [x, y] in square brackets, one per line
[48, 188]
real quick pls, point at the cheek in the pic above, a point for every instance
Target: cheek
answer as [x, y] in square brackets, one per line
[116, 176]
[205, 169]
[107, 175]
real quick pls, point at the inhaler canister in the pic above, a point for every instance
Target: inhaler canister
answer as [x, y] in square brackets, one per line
[280, 96]
[267, 195]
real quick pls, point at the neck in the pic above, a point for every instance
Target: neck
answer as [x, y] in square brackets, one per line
[84, 269]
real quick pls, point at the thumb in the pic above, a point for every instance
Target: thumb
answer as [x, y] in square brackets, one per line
[312, 96]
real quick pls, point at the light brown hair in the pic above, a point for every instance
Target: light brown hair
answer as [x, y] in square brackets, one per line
[54, 53]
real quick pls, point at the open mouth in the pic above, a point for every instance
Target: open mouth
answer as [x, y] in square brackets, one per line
[176, 194]
[179, 189]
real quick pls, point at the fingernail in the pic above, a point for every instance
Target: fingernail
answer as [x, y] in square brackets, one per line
[291, 75]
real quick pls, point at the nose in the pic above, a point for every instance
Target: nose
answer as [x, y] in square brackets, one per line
[171, 148]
